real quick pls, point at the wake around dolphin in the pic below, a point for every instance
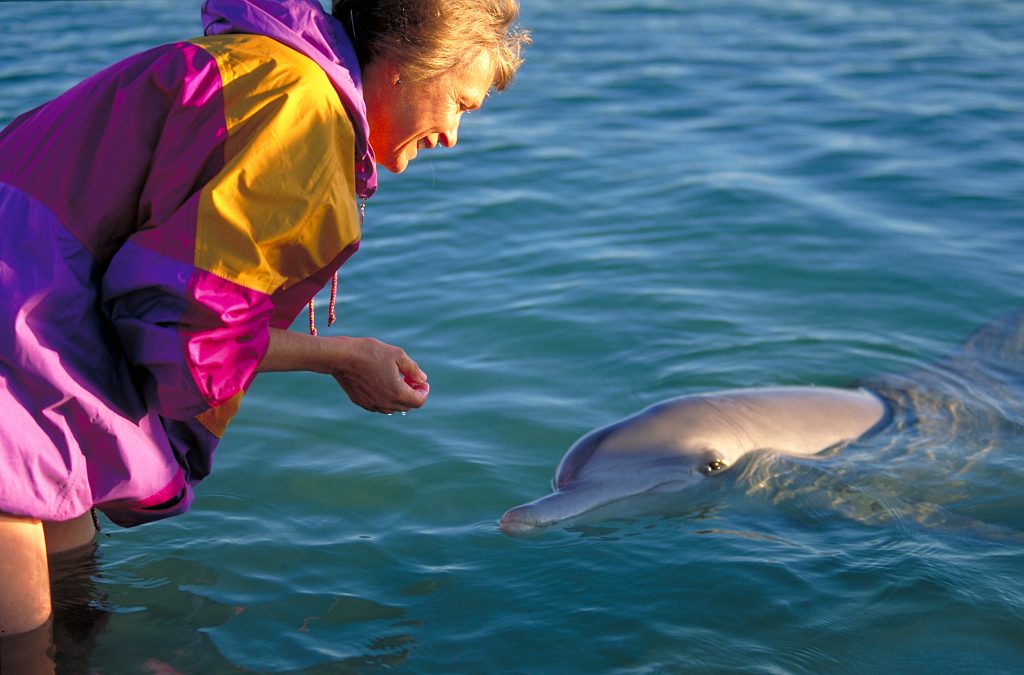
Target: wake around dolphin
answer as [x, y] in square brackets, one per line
[678, 443]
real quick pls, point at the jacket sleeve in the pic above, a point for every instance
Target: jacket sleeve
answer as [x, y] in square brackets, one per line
[250, 191]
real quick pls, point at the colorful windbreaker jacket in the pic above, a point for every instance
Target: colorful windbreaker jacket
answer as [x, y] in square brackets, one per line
[155, 221]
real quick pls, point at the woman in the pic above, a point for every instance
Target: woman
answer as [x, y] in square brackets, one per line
[165, 221]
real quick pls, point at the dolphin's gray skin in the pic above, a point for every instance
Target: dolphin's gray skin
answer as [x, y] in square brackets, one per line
[677, 443]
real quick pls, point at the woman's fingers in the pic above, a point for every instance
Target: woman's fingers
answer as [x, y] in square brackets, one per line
[381, 378]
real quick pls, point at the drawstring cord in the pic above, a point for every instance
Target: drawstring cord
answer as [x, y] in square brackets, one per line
[331, 316]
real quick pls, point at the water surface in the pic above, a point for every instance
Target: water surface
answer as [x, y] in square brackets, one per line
[672, 198]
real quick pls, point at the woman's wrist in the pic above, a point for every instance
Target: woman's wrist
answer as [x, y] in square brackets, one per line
[290, 351]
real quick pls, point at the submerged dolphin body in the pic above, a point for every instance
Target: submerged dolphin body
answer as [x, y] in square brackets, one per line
[678, 443]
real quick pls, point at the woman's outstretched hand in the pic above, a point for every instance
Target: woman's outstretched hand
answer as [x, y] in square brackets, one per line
[376, 376]
[379, 377]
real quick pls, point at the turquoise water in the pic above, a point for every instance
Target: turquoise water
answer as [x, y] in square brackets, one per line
[673, 198]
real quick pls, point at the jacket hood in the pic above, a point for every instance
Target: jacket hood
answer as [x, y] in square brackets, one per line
[304, 26]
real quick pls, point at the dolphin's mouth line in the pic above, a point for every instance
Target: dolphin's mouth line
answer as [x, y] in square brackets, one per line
[532, 522]
[526, 524]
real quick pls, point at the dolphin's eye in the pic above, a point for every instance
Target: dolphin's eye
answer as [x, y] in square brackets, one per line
[714, 466]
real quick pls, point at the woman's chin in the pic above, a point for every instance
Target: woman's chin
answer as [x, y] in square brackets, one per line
[399, 161]
[394, 165]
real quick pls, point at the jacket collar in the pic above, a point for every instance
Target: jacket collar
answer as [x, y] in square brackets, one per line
[304, 26]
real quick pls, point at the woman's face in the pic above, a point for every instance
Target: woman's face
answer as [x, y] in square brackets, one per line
[406, 117]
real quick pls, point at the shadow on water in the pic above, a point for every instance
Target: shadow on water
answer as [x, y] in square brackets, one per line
[190, 617]
[82, 613]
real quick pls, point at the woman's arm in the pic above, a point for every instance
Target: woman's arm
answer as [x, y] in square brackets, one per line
[375, 375]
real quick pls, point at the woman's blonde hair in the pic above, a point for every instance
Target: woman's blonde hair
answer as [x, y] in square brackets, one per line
[427, 38]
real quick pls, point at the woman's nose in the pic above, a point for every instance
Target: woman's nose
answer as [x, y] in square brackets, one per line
[449, 138]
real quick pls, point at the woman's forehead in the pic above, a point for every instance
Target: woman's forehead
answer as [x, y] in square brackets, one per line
[475, 75]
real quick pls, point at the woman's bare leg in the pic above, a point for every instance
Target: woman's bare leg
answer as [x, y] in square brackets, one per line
[25, 593]
[69, 534]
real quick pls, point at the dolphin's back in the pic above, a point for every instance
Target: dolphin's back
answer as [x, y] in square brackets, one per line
[985, 374]
[728, 424]
[795, 420]
[997, 350]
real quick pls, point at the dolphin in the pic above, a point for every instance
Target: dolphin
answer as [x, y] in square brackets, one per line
[675, 445]
[977, 388]
[678, 443]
